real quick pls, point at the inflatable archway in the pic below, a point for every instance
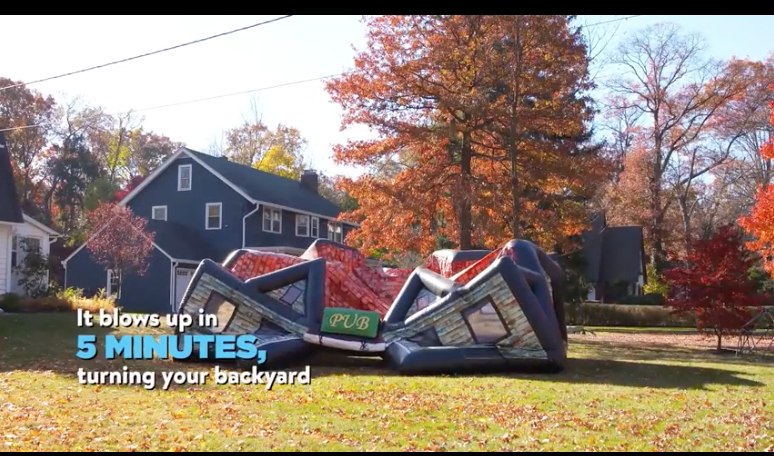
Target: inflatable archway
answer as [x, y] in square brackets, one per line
[461, 310]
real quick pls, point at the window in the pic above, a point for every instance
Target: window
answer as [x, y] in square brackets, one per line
[159, 213]
[315, 227]
[223, 310]
[334, 231]
[184, 177]
[302, 225]
[214, 216]
[485, 323]
[20, 246]
[14, 251]
[112, 288]
[272, 220]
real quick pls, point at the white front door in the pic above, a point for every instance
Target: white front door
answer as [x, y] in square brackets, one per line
[182, 279]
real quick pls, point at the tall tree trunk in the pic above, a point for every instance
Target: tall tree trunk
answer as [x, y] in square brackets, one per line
[465, 208]
[513, 149]
[686, 216]
[657, 217]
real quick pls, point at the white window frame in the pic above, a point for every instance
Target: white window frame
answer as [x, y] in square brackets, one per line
[269, 212]
[207, 215]
[180, 178]
[336, 229]
[314, 227]
[109, 286]
[153, 213]
[307, 227]
[14, 250]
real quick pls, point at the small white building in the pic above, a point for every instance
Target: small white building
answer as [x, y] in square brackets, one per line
[16, 227]
[13, 253]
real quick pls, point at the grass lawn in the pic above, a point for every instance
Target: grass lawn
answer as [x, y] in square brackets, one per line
[616, 394]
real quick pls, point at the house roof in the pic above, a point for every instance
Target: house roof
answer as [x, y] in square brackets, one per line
[268, 187]
[39, 225]
[10, 206]
[180, 242]
[613, 253]
[592, 245]
[622, 254]
[258, 187]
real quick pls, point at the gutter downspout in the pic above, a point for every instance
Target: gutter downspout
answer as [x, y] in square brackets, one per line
[172, 286]
[244, 222]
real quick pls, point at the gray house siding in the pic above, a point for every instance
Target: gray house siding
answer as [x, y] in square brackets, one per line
[189, 207]
[256, 237]
[148, 293]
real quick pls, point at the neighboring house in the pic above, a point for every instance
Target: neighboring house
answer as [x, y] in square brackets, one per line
[200, 206]
[15, 227]
[615, 260]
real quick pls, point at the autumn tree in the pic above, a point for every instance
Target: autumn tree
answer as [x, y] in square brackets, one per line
[420, 84]
[672, 94]
[541, 111]
[119, 241]
[713, 283]
[147, 150]
[252, 143]
[625, 201]
[30, 115]
[70, 169]
[760, 222]
[278, 161]
[748, 117]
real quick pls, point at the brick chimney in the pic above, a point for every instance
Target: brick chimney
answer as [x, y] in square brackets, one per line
[310, 180]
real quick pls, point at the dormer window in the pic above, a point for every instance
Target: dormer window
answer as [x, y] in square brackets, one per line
[184, 177]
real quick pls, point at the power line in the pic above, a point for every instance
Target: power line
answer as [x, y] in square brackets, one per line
[261, 89]
[304, 81]
[198, 100]
[613, 20]
[230, 32]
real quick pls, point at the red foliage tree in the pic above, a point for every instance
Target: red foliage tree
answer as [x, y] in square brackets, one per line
[760, 222]
[713, 283]
[119, 241]
[131, 185]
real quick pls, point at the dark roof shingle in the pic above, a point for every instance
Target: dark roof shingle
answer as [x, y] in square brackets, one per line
[268, 187]
[10, 206]
[613, 253]
[622, 255]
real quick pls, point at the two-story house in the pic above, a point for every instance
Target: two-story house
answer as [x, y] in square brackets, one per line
[201, 206]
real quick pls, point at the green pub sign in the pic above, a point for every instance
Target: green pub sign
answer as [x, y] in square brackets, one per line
[351, 322]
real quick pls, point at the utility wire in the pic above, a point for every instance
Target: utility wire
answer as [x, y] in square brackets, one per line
[261, 89]
[612, 20]
[230, 32]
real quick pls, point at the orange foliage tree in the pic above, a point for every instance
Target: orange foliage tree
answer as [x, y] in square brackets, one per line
[478, 119]
[760, 222]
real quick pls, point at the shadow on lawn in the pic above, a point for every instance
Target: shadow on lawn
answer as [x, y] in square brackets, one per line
[638, 352]
[577, 371]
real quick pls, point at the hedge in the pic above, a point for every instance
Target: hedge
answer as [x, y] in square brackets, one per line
[596, 314]
[65, 301]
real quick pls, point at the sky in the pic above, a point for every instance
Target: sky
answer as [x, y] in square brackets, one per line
[293, 49]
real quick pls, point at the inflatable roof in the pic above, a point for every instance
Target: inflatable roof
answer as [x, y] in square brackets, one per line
[461, 310]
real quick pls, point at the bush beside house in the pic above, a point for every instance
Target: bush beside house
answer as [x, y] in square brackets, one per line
[69, 300]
